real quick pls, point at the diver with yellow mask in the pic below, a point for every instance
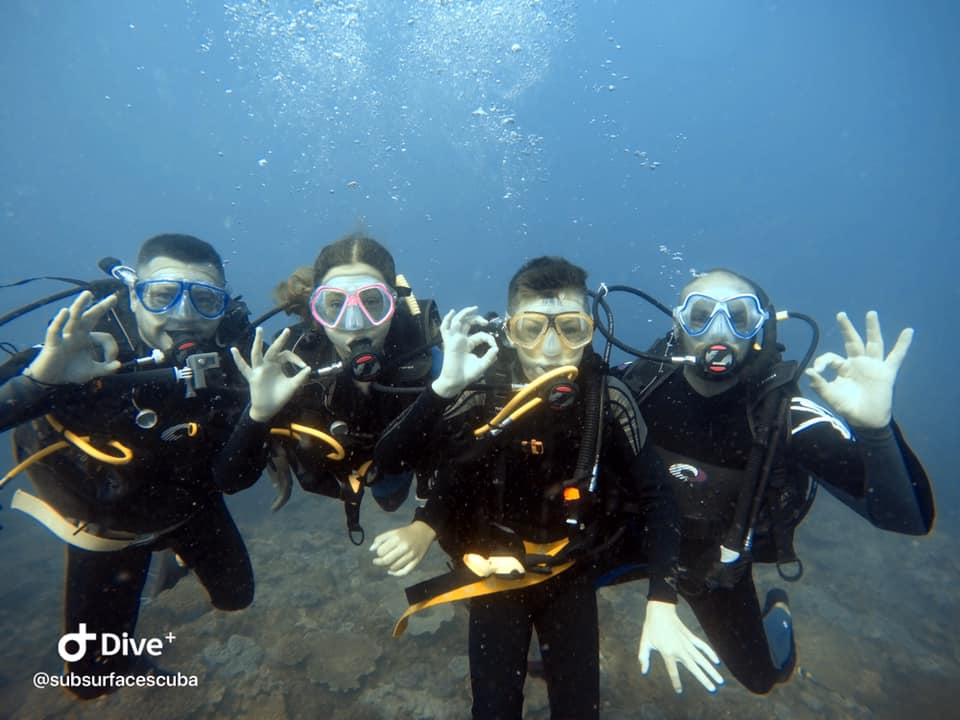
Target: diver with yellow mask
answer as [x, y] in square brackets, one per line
[528, 496]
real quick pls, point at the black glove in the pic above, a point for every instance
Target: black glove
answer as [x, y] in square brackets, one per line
[725, 576]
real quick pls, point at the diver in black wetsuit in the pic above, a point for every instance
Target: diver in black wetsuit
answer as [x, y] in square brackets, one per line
[708, 423]
[369, 339]
[514, 503]
[146, 452]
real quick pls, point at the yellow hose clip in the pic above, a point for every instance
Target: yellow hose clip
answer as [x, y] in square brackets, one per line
[521, 403]
[296, 429]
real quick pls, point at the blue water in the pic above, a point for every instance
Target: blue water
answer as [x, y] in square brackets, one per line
[811, 146]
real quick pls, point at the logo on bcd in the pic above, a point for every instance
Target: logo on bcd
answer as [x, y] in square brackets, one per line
[687, 473]
[110, 644]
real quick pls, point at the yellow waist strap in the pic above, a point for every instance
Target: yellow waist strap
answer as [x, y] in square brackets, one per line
[492, 584]
[70, 533]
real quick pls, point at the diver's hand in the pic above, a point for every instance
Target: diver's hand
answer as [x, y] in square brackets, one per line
[401, 550]
[460, 366]
[71, 349]
[270, 388]
[664, 632]
[862, 391]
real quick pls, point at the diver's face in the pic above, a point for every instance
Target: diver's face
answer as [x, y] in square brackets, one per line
[182, 318]
[551, 352]
[719, 286]
[354, 327]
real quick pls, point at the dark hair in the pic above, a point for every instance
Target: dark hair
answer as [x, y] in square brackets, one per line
[186, 248]
[356, 248]
[294, 292]
[757, 290]
[546, 277]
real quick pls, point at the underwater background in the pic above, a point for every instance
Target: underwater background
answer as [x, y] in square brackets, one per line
[809, 145]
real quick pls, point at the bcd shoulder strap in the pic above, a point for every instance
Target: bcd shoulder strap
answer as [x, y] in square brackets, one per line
[643, 376]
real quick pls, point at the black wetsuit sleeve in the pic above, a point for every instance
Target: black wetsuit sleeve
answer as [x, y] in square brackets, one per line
[425, 435]
[661, 522]
[898, 496]
[649, 490]
[438, 510]
[431, 428]
[871, 470]
[241, 461]
[23, 398]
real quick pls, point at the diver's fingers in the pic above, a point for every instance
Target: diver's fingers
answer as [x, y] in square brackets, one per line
[852, 342]
[673, 672]
[301, 377]
[710, 670]
[77, 308]
[276, 347]
[697, 657]
[381, 539]
[817, 381]
[695, 670]
[401, 560]
[54, 332]
[387, 557]
[644, 656]
[407, 568]
[240, 362]
[393, 554]
[93, 315]
[899, 352]
[463, 317]
[703, 647]
[108, 346]
[256, 350]
[480, 338]
[874, 346]
[447, 321]
[384, 544]
[828, 360]
[489, 356]
[291, 357]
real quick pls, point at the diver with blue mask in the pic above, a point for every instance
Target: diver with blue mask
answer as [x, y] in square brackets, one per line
[718, 333]
[132, 423]
[746, 451]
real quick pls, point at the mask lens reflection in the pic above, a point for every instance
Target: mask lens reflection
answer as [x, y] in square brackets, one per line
[575, 328]
[376, 302]
[527, 329]
[744, 314]
[369, 306]
[160, 296]
[209, 301]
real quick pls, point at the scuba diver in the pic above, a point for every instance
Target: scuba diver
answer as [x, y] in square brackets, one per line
[371, 344]
[132, 425]
[523, 502]
[745, 449]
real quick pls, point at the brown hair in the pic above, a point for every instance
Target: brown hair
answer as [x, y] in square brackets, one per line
[294, 292]
[546, 277]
